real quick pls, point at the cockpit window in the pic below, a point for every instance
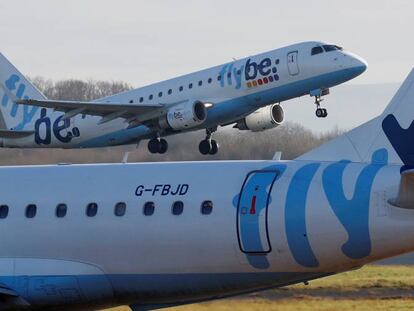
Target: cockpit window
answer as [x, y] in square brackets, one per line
[330, 47]
[316, 50]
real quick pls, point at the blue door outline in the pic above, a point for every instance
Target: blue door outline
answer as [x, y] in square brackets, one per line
[252, 226]
[292, 63]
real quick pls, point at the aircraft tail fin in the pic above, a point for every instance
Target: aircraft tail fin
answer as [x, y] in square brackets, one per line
[392, 131]
[13, 116]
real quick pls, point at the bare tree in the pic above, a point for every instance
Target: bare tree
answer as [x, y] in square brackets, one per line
[73, 89]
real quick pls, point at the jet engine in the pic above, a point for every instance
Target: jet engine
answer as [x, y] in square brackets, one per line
[184, 116]
[262, 119]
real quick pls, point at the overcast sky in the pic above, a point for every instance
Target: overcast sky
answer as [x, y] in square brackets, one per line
[145, 41]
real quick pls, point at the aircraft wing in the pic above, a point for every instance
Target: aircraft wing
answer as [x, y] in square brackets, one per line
[133, 113]
[11, 299]
[108, 111]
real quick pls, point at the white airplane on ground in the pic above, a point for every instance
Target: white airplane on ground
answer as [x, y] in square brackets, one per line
[245, 92]
[154, 235]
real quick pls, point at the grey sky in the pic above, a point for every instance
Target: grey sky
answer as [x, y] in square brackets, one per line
[145, 41]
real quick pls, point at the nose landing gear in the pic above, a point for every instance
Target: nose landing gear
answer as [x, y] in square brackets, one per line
[208, 145]
[320, 112]
[158, 145]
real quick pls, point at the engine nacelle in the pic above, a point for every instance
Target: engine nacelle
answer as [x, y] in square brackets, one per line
[262, 119]
[184, 116]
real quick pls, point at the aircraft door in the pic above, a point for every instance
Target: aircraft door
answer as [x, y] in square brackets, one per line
[292, 62]
[252, 212]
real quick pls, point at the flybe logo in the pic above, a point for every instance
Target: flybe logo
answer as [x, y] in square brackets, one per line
[12, 83]
[255, 73]
[44, 127]
[352, 213]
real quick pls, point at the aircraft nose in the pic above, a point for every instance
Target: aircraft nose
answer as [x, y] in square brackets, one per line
[357, 64]
[360, 64]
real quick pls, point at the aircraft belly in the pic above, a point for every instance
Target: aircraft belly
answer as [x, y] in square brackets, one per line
[172, 288]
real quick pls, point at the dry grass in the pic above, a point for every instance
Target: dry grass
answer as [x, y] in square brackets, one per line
[370, 288]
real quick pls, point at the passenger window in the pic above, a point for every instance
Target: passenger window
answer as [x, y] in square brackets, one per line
[200, 83]
[181, 88]
[131, 101]
[31, 210]
[190, 86]
[169, 91]
[229, 75]
[316, 50]
[91, 209]
[218, 78]
[151, 97]
[177, 208]
[149, 208]
[239, 72]
[210, 80]
[206, 207]
[141, 99]
[4, 211]
[160, 94]
[61, 210]
[120, 209]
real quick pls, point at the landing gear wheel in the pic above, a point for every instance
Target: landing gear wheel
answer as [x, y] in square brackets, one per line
[319, 113]
[214, 147]
[324, 113]
[162, 146]
[157, 145]
[205, 146]
[153, 145]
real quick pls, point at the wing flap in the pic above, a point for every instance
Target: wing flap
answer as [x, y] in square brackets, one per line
[5, 291]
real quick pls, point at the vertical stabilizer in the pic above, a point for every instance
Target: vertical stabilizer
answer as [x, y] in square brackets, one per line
[16, 117]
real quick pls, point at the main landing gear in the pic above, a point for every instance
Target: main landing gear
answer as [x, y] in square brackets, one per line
[208, 145]
[158, 145]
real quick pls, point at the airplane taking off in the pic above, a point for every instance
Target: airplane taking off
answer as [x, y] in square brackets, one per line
[244, 92]
[154, 235]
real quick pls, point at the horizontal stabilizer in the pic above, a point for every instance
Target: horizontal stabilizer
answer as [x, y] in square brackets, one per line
[405, 198]
[15, 134]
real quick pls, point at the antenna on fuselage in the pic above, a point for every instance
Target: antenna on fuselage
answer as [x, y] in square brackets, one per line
[277, 156]
[125, 157]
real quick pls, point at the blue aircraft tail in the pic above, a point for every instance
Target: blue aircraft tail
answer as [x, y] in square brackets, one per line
[16, 117]
[393, 131]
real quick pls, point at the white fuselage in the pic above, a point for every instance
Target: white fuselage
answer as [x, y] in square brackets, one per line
[235, 90]
[271, 224]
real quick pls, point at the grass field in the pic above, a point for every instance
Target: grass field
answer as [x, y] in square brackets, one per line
[369, 288]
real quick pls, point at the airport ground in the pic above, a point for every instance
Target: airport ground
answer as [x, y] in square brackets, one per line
[374, 287]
